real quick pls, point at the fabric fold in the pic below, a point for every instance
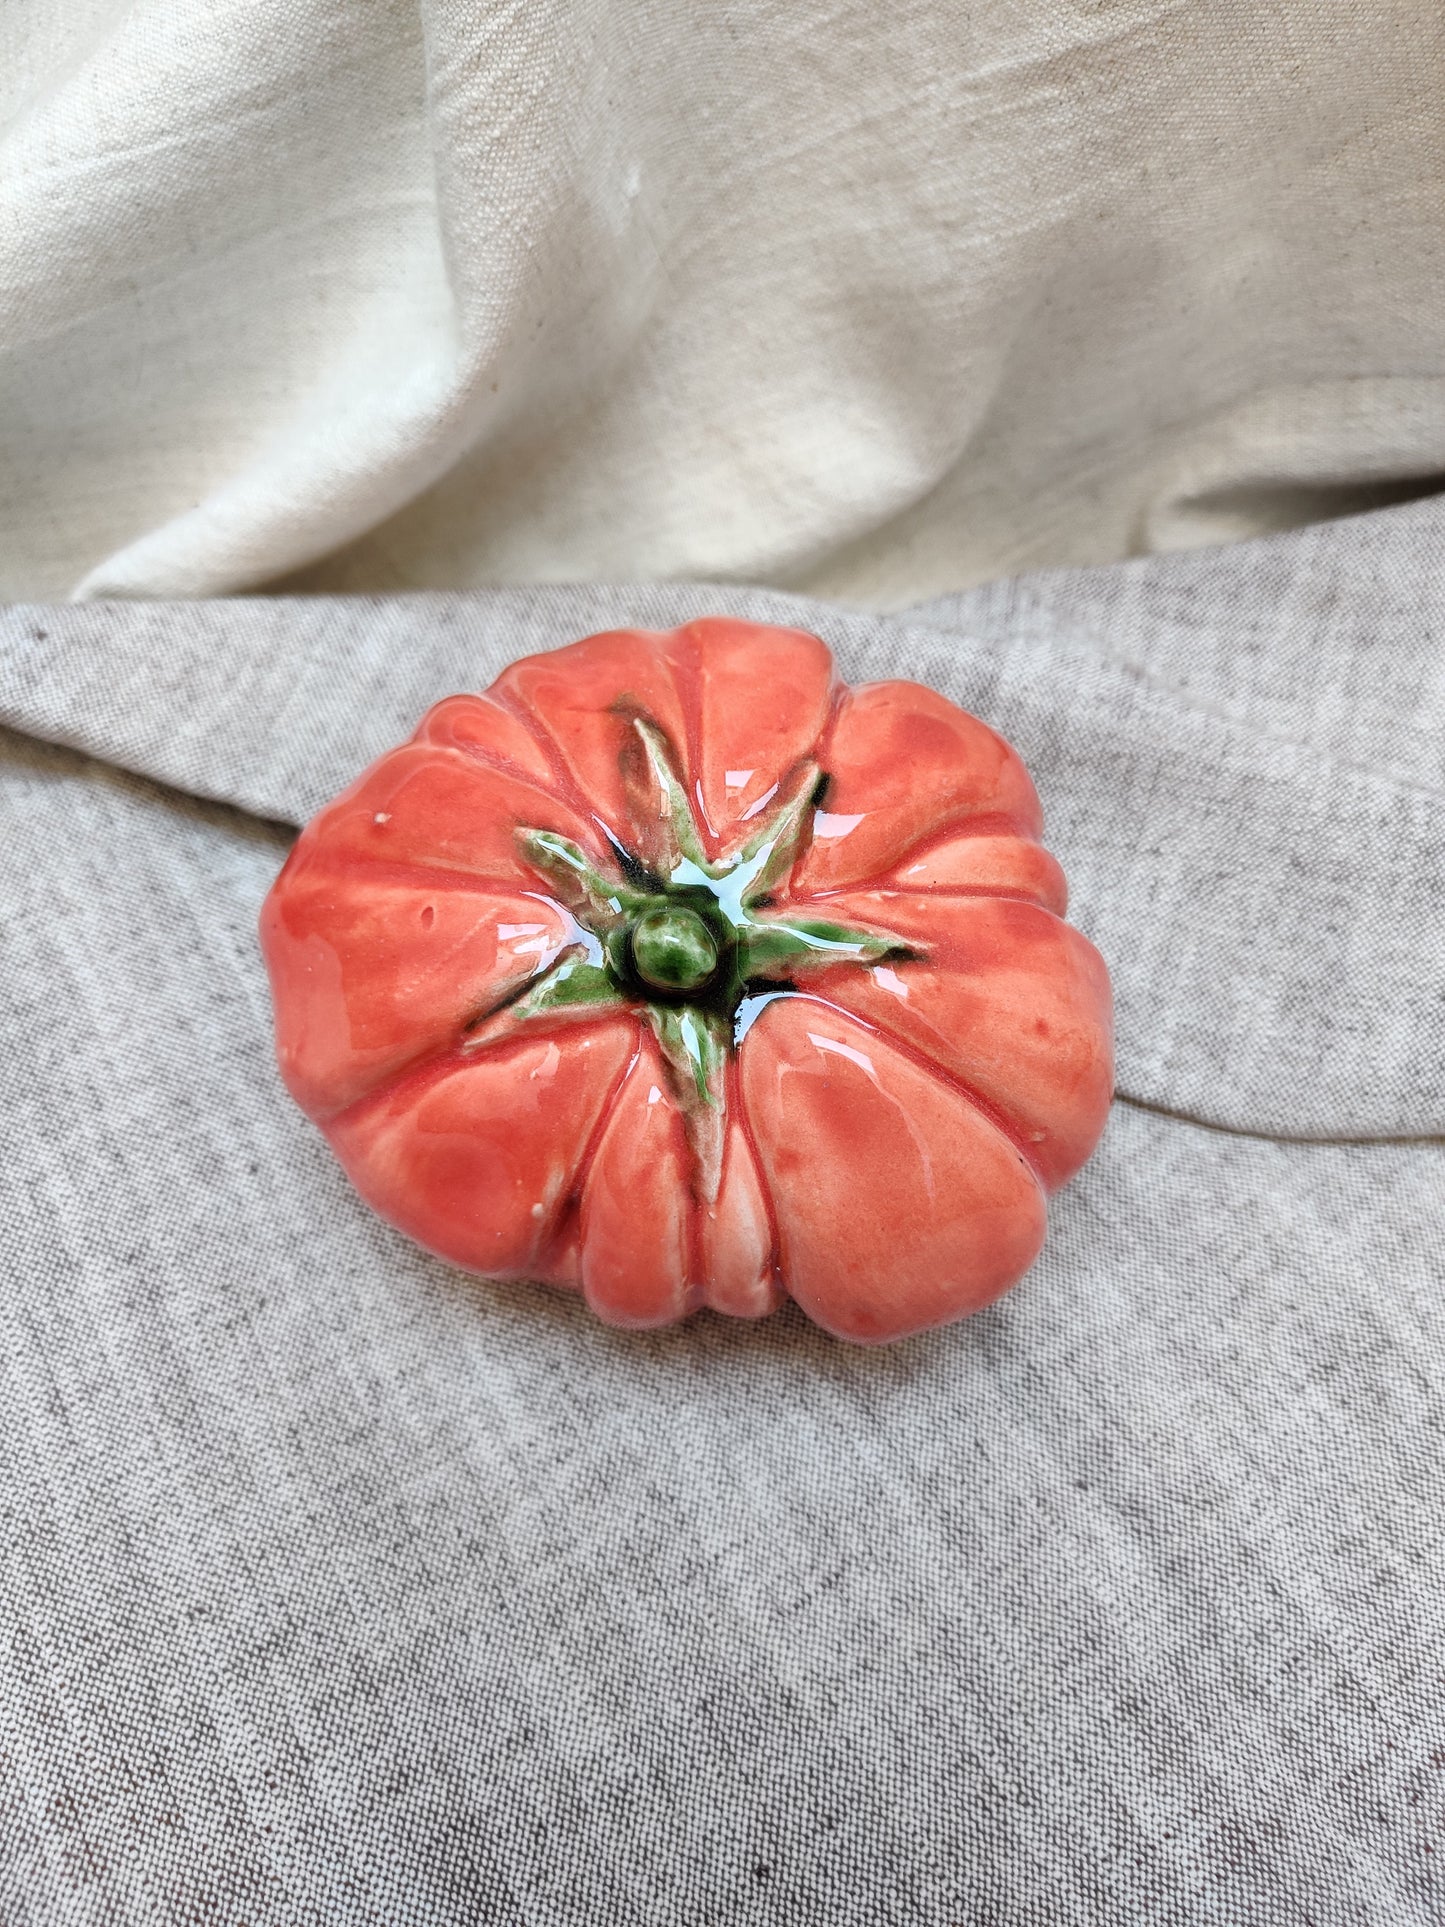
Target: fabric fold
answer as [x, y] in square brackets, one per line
[1239, 757]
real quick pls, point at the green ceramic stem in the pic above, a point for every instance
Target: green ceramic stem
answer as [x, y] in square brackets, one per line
[673, 949]
[688, 945]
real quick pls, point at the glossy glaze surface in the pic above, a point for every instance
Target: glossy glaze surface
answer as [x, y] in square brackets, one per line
[672, 971]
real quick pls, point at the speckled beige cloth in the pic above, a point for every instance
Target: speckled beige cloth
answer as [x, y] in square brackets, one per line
[336, 1587]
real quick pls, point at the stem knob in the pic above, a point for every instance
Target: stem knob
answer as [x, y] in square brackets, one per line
[673, 949]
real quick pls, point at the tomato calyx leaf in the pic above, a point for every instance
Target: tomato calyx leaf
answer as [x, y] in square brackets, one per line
[783, 946]
[681, 939]
[573, 982]
[602, 903]
[681, 846]
[695, 1044]
[771, 852]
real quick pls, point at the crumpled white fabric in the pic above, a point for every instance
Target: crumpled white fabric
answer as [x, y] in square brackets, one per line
[875, 302]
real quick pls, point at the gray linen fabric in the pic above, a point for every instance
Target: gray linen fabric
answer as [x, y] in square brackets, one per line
[338, 1587]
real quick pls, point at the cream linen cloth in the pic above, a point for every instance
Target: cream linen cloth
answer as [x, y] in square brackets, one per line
[873, 300]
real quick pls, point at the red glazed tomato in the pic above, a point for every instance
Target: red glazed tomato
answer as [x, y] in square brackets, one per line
[672, 971]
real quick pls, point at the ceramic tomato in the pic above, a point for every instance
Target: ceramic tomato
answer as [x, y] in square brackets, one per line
[672, 971]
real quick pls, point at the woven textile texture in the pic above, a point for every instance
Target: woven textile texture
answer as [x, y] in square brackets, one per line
[868, 301]
[339, 1588]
